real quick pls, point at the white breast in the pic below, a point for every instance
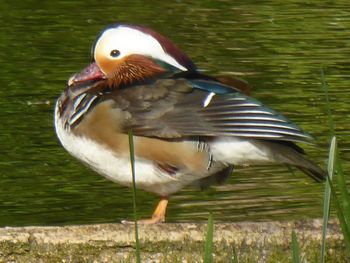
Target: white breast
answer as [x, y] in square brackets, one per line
[117, 168]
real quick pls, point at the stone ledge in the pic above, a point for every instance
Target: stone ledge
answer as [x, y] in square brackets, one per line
[169, 242]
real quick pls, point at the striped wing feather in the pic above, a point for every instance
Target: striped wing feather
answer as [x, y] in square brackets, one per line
[179, 110]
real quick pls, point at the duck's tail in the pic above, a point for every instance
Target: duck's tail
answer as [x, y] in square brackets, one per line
[289, 153]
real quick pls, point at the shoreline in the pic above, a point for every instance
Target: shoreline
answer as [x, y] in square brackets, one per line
[168, 242]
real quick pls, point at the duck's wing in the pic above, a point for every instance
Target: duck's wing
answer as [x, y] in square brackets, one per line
[175, 108]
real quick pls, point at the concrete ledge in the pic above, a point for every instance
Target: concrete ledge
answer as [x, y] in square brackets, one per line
[183, 242]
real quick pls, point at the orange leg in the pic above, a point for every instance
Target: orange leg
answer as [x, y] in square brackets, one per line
[158, 214]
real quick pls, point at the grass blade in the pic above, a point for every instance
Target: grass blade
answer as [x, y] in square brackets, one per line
[295, 249]
[344, 222]
[327, 198]
[340, 175]
[334, 164]
[345, 228]
[132, 162]
[208, 249]
[345, 198]
[235, 257]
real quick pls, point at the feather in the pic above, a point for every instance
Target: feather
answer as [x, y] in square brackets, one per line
[183, 108]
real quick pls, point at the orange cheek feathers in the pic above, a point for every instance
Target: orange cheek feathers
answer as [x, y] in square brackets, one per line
[107, 66]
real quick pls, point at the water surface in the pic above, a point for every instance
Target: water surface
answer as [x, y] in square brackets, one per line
[279, 49]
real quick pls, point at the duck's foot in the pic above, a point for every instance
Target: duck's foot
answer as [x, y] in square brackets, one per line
[158, 215]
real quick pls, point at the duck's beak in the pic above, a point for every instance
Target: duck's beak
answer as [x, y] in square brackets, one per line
[88, 74]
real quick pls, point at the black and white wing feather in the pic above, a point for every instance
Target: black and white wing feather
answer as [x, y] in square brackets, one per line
[183, 108]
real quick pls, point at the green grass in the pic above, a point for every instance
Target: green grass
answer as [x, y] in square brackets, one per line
[234, 255]
[342, 205]
[327, 201]
[295, 249]
[132, 162]
[344, 194]
[208, 248]
[330, 168]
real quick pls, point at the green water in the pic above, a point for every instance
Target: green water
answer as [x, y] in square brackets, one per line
[279, 47]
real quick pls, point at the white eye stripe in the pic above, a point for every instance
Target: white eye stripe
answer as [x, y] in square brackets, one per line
[131, 41]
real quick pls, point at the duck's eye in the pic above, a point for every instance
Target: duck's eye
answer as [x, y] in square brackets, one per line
[115, 53]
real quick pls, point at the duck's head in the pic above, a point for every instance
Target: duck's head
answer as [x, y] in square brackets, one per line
[124, 54]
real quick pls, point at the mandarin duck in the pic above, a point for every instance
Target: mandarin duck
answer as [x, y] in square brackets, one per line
[188, 128]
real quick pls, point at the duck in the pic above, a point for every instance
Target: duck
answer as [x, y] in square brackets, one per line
[188, 128]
